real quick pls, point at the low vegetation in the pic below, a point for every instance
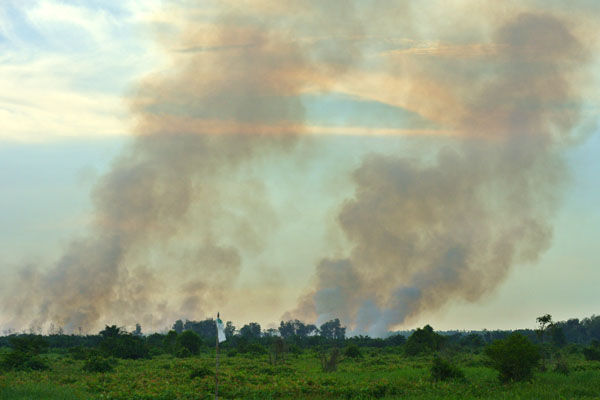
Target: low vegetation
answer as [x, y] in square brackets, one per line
[297, 362]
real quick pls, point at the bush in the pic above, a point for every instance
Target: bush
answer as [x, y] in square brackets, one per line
[514, 358]
[353, 351]
[98, 364]
[443, 370]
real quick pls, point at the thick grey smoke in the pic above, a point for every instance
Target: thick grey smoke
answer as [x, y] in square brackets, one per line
[425, 232]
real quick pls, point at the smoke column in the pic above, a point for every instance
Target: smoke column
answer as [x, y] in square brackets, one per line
[426, 231]
[181, 208]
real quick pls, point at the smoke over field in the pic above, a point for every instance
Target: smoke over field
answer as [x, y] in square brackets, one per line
[184, 209]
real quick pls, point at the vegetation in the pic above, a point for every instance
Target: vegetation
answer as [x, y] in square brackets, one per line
[443, 370]
[592, 353]
[514, 358]
[423, 341]
[297, 361]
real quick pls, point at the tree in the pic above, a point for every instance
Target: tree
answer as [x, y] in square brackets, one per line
[333, 330]
[178, 326]
[558, 336]
[138, 330]
[286, 329]
[423, 340]
[190, 341]
[251, 331]
[396, 340]
[112, 331]
[229, 330]
[170, 341]
[544, 322]
[514, 358]
[207, 328]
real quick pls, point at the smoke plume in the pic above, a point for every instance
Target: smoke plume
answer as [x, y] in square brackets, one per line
[183, 208]
[427, 231]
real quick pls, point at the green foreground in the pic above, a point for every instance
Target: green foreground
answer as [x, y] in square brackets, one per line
[378, 374]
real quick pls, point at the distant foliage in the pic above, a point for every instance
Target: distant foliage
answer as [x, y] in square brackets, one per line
[251, 331]
[423, 341]
[443, 370]
[396, 340]
[296, 328]
[514, 358]
[19, 361]
[333, 330]
[190, 341]
[592, 353]
[120, 344]
[99, 364]
[25, 354]
[83, 353]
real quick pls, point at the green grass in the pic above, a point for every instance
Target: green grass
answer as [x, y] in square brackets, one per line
[379, 374]
[36, 391]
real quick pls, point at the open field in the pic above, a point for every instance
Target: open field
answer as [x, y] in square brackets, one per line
[380, 373]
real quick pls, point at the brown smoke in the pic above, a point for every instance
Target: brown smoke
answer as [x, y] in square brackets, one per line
[159, 213]
[181, 209]
[426, 232]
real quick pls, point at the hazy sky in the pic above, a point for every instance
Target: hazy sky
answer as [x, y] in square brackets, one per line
[332, 135]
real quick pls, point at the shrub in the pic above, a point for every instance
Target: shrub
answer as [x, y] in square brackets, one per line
[353, 351]
[443, 370]
[98, 364]
[514, 358]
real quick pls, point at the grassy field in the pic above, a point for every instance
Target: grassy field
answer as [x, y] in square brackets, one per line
[378, 374]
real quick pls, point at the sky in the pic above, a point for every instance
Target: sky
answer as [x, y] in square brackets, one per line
[388, 164]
